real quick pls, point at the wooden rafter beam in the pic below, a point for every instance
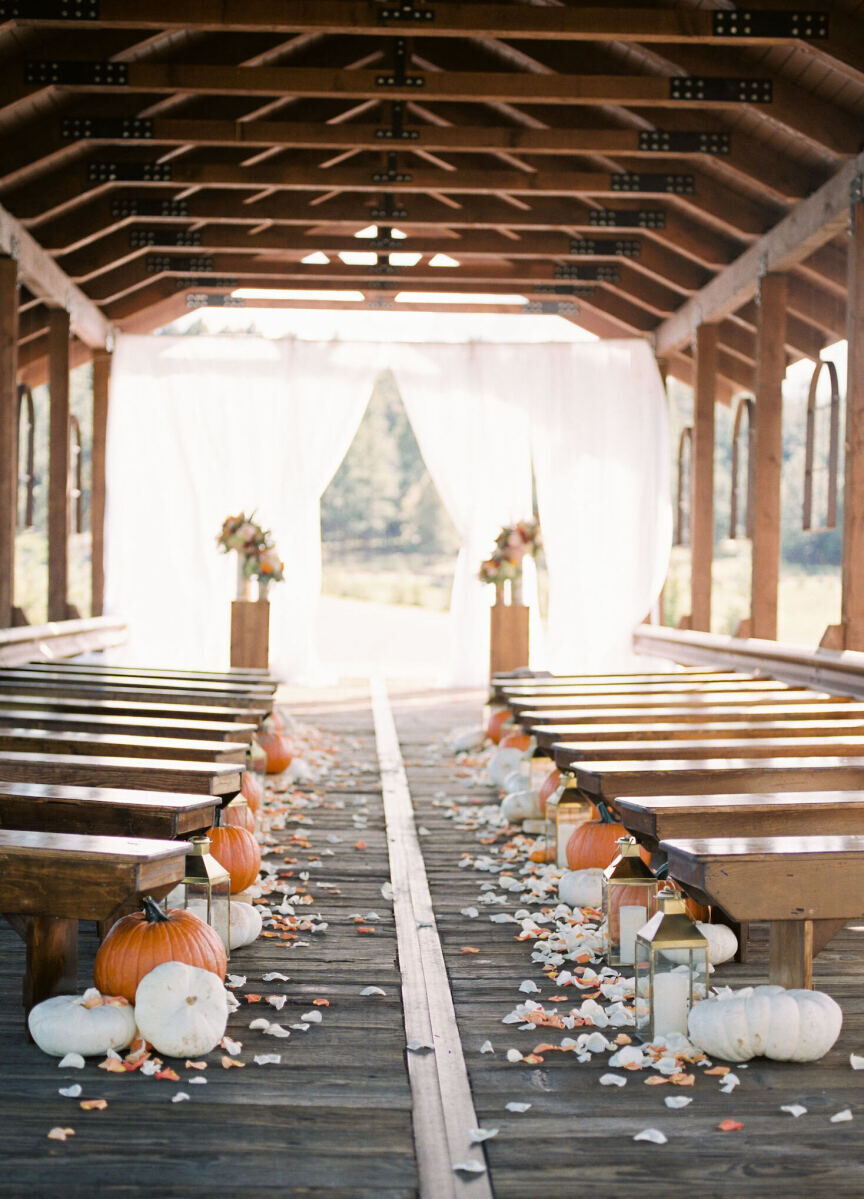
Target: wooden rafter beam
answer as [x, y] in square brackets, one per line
[39, 272]
[446, 20]
[813, 223]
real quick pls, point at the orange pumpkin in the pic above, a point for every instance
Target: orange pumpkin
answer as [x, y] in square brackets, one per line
[623, 897]
[279, 750]
[595, 843]
[240, 814]
[548, 787]
[139, 943]
[250, 789]
[515, 741]
[495, 728]
[237, 850]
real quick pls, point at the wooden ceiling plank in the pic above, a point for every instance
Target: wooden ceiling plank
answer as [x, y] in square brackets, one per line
[813, 223]
[41, 274]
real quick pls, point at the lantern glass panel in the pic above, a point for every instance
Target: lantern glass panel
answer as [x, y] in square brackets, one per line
[207, 889]
[629, 901]
[671, 970]
[571, 810]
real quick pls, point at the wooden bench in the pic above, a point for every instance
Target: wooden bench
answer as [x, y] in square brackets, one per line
[237, 676]
[105, 677]
[45, 741]
[109, 812]
[140, 726]
[502, 686]
[20, 683]
[696, 748]
[806, 888]
[571, 709]
[549, 696]
[194, 778]
[656, 818]
[713, 731]
[545, 725]
[50, 881]
[96, 706]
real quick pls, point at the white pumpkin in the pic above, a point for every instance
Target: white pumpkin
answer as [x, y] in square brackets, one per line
[465, 740]
[181, 1010]
[766, 1021]
[581, 888]
[245, 921]
[515, 781]
[502, 763]
[87, 1024]
[519, 806]
[722, 944]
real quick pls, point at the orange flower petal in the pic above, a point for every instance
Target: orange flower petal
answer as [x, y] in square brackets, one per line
[253, 998]
[320, 1002]
[196, 1065]
[112, 1066]
[683, 1080]
[360, 845]
[93, 1105]
[364, 928]
[730, 1125]
[656, 1081]
[60, 1134]
[228, 1062]
[719, 1070]
[169, 1074]
[469, 949]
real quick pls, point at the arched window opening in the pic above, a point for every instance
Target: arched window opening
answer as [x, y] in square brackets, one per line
[820, 476]
[26, 460]
[741, 491]
[682, 504]
[76, 466]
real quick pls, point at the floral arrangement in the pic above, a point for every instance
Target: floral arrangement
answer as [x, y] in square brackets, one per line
[511, 545]
[258, 557]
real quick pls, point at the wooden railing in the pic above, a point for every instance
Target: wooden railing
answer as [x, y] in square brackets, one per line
[62, 639]
[840, 672]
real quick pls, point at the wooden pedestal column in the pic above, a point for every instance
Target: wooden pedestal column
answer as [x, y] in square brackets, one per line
[58, 465]
[508, 637]
[101, 382]
[250, 633]
[702, 478]
[8, 434]
[853, 505]
[768, 451]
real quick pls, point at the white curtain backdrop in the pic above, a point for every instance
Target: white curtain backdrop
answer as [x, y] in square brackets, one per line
[474, 437]
[200, 428]
[600, 445]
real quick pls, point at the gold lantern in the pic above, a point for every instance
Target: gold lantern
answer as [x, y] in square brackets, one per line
[207, 882]
[571, 810]
[629, 900]
[671, 969]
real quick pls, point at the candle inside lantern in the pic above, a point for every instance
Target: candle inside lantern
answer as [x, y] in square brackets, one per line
[671, 1004]
[631, 917]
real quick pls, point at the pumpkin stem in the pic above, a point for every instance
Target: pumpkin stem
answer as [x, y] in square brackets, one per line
[662, 871]
[153, 912]
[606, 816]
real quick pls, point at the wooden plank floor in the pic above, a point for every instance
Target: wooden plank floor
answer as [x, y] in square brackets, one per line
[577, 1134]
[333, 1119]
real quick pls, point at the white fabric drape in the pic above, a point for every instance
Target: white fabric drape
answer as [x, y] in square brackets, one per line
[601, 459]
[474, 437]
[201, 427]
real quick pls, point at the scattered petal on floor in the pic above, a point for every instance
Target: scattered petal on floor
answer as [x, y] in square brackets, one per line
[469, 1168]
[856, 1061]
[235, 980]
[529, 987]
[99, 1105]
[487, 1047]
[676, 1101]
[794, 1109]
[71, 1092]
[513, 1055]
[60, 1134]
[267, 1059]
[274, 976]
[313, 1017]
[180, 1097]
[478, 1135]
[373, 991]
[277, 1030]
[730, 1126]
[841, 1117]
[419, 1047]
[231, 1046]
[519, 1108]
[259, 1023]
[654, 1135]
[613, 1080]
[72, 1061]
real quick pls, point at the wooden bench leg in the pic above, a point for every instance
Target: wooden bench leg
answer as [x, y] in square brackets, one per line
[791, 953]
[52, 959]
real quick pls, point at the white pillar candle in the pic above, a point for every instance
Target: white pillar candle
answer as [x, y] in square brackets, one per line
[671, 999]
[631, 917]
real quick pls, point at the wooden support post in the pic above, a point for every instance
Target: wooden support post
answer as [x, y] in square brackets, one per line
[702, 478]
[52, 958]
[768, 455]
[8, 434]
[101, 381]
[58, 464]
[250, 633]
[508, 638]
[853, 502]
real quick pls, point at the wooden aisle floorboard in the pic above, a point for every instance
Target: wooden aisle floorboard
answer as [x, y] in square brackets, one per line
[577, 1136]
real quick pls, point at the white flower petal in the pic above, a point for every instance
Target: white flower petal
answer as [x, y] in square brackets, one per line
[372, 991]
[73, 1061]
[275, 976]
[487, 1047]
[513, 1055]
[71, 1092]
[676, 1101]
[260, 1023]
[267, 1059]
[794, 1109]
[180, 1097]
[613, 1080]
[841, 1117]
[276, 1030]
[513, 1106]
[654, 1135]
[856, 1061]
[469, 1168]
[478, 1135]
[313, 1017]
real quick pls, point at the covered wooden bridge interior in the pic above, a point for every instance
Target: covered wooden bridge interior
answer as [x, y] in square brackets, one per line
[687, 173]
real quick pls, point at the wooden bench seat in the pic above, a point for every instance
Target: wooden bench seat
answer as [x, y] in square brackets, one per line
[59, 673]
[734, 776]
[501, 686]
[545, 725]
[656, 818]
[572, 709]
[196, 778]
[559, 695]
[109, 812]
[235, 677]
[721, 730]
[135, 726]
[50, 881]
[97, 706]
[806, 888]
[47, 741]
[12, 683]
[695, 748]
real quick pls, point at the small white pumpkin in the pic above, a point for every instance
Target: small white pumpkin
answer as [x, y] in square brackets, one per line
[581, 888]
[87, 1024]
[722, 944]
[181, 1010]
[766, 1021]
[519, 806]
[502, 763]
[245, 921]
[515, 781]
[465, 740]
